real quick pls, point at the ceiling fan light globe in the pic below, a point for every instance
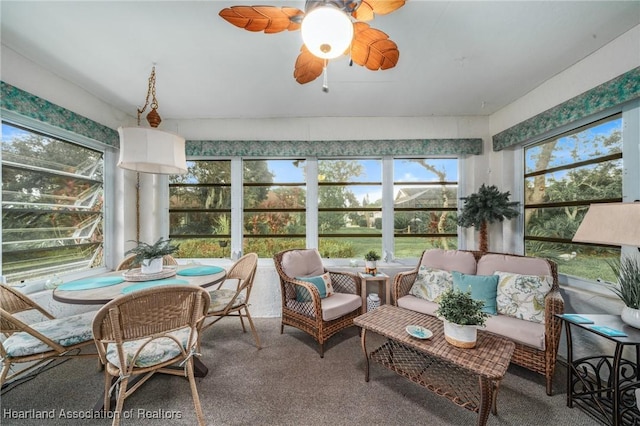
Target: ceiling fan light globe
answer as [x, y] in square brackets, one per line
[327, 32]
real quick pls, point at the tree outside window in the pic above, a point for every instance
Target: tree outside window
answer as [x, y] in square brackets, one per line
[563, 176]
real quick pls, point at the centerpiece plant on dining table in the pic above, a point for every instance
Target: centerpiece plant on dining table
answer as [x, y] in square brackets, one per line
[149, 256]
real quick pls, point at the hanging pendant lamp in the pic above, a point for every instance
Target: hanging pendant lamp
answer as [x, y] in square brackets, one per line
[147, 149]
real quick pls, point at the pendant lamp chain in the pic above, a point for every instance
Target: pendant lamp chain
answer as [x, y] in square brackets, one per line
[153, 117]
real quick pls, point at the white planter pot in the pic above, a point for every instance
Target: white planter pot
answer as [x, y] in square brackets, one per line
[151, 266]
[370, 266]
[462, 336]
[631, 316]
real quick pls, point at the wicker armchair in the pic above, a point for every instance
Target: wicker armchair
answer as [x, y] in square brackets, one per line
[320, 318]
[540, 361]
[127, 262]
[38, 342]
[143, 333]
[227, 302]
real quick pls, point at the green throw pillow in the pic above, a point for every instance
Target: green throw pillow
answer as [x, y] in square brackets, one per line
[483, 287]
[322, 283]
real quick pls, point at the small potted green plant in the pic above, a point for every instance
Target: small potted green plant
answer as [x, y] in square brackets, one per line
[371, 258]
[627, 270]
[462, 315]
[149, 256]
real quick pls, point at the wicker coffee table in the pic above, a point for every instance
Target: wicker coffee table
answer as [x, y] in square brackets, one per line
[468, 377]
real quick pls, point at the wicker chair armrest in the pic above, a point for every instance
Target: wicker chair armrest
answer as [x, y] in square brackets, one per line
[402, 283]
[345, 282]
[553, 304]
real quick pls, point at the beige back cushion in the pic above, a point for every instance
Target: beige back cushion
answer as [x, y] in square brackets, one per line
[302, 263]
[450, 260]
[489, 263]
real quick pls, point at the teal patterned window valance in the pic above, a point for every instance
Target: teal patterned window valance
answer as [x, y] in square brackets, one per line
[617, 91]
[36, 108]
[280, 149]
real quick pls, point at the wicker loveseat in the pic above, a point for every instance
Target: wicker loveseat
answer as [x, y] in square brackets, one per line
[536, 342]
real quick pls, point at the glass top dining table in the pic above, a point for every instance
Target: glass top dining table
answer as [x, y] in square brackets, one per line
[101, 289]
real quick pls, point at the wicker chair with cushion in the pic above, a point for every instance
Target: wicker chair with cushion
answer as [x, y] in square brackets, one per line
[233, 301]
[315, 300]
[145, 332]
[42, 340]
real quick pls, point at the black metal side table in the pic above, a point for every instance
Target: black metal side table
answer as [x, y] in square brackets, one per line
[604, 385]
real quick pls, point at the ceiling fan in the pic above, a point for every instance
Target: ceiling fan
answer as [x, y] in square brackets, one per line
[330, 28]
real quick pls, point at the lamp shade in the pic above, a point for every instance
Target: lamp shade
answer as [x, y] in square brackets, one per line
[150, 150]
[611, 223]
[327, 32]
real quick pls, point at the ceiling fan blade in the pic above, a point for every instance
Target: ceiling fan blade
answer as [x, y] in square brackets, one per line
[308, 66]
[270, 19]
[372, 48]
[369, 8]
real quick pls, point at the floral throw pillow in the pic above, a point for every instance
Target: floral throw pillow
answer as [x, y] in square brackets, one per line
[430, 283]
[522, 296]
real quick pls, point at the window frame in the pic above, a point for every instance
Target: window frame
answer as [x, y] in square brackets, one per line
[630, 116]
[110, 157]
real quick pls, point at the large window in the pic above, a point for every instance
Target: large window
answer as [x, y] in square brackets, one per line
[274, 205]
[336, 204]
[349, 207]
[563, 175]
[200, 209]
[52, 205]
[425, 204]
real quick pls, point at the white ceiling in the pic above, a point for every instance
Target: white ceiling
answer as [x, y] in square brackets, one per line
[456, 57]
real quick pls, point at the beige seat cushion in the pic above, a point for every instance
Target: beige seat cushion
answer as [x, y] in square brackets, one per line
[450, 260]
[339, 304]
[490, 263]
[525, 332]
[302, 263]
[418, 305]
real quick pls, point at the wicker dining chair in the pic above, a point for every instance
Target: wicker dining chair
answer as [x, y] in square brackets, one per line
[226, 302]
[319, 317]
[127, 262]
[42, 340]
[145, 332]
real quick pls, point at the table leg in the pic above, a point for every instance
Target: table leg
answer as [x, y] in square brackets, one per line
[199, 369]
[486, 400]
[616, 384]
[387, 292]
[363, 342]
[567, 328]
[363, 294]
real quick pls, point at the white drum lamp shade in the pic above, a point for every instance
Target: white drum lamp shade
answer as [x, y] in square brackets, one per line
[149, 150]
[327, 32]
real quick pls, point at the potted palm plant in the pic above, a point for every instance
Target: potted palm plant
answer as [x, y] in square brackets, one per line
[371, 258]
[486, 206]
[462, 315]
[149, 256]
[627, 289]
